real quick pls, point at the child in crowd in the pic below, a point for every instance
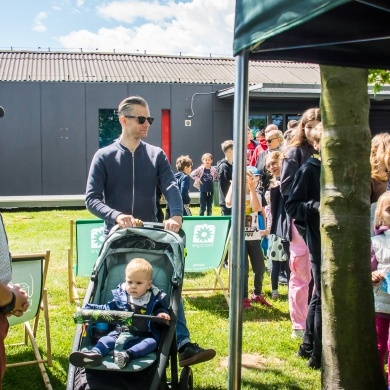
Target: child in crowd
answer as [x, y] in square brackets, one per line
[183, 166]
[204, 177]
[225, 172]
[253, 235]
[295, 154]
[302, 206]
[276, 253]
[138, 295]
[380, 266]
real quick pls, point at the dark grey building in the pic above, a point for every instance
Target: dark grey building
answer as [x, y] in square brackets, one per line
[54, 103]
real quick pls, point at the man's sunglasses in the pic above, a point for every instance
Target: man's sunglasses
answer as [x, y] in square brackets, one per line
[141, 119]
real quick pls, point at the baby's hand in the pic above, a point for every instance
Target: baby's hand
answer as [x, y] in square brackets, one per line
[164, 315]
[377, 276]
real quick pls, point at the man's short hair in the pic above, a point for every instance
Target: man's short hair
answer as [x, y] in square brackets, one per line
[126, 105]
[226, 145]
[182, 162]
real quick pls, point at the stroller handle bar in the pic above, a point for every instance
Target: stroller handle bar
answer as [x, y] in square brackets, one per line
[113, 317]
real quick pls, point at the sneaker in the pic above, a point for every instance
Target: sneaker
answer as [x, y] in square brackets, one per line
[260, 299]
[275, 295]
[194, 354]
[85, 358]
[314, 363]
[121, 359]
[297, 333]
[247, 303]
[282, 280]
[303, 353]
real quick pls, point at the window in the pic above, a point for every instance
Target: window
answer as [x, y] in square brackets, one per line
[109, 127]
[257, 122]
[278, 120]
[289, 117]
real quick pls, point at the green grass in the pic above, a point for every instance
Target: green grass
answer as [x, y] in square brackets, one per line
[269, 360]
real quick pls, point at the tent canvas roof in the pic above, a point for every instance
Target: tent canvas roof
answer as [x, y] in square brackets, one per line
[352, 33]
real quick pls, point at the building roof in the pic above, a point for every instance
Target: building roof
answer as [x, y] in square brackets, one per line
[113, 67]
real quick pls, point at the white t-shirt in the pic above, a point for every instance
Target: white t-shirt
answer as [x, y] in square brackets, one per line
[251, 220]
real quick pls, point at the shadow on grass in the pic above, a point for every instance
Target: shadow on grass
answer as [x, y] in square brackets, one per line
[194, 275]
[276, 385]
[29, 376]
[217, 305]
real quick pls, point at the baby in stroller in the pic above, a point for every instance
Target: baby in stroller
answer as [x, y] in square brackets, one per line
[137, 295]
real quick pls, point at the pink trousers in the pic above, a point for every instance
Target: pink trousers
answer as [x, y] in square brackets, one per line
[300, 277]
[382, 331]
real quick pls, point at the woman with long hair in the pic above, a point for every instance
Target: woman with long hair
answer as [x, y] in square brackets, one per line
[296, 153]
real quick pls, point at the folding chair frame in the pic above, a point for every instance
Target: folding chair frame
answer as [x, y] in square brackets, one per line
[31, 332]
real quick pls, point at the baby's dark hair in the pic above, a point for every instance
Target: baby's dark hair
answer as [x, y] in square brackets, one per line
[182, 162]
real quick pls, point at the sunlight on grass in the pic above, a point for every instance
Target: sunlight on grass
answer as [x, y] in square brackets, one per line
[269, 360]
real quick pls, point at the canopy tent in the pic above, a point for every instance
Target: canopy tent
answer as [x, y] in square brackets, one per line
[353, 33]
[330, 32]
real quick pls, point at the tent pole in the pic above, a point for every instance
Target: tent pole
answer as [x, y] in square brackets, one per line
[240, 124]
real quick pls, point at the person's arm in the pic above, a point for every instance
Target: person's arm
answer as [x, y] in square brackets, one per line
[255, 155]
[7, 294]
[170, 190]
[195, 174]
[289, 168]
[224, 180]
[161, 307]
[94, 198]
[229, 196]
[185, 189]
[374, 261]
[298, 205]
[254, 196]
[214, 173]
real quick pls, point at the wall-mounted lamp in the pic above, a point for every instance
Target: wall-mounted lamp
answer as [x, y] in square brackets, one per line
[192, 102]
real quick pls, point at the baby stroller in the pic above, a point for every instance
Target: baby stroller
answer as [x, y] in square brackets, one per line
[165, 251]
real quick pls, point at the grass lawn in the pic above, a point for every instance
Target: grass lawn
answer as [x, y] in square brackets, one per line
[269, 360]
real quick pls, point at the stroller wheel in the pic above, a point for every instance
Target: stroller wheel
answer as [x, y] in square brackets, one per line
[186, 379]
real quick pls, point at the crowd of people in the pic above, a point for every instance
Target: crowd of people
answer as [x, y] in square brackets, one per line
[282, 210]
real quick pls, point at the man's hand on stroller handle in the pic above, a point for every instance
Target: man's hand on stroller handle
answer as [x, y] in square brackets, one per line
[173, 224]
[124, 220]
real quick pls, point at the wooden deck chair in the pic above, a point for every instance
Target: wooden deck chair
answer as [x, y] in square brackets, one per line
[83, 251]
[30, 272]
[207, 244]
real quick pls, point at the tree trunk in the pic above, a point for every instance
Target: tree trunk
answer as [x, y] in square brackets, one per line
[350, 356]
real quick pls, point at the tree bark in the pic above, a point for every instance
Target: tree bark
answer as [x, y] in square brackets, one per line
[350, 356]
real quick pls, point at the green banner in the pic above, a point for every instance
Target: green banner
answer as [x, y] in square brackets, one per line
[205, 242]
[89, 240]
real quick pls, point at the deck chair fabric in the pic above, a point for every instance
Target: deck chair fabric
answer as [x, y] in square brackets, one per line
[30, 272]
[83, 250]
[207, 244]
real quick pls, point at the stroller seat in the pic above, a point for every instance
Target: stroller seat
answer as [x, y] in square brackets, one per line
[115, 277]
